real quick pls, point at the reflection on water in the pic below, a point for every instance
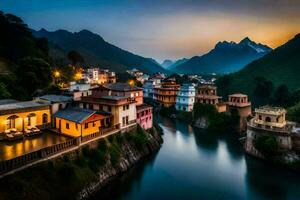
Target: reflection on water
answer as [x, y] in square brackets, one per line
[197, 164]
[13, 149]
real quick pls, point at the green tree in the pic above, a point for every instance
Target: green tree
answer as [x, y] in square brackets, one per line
[282, 96]
[75, 57]
[33, 73]
[4, 94]
[266, 144]
[263, 90]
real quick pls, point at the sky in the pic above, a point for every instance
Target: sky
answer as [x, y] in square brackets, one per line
[165, 29]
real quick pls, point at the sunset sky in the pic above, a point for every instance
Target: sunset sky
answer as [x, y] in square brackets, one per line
[166, 28]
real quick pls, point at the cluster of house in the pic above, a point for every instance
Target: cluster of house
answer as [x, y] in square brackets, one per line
[267, 120]
[167, 92]
[88, 110]
[138, 74]
[98, 76]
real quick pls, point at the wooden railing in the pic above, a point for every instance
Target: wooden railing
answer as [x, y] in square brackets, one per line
[24, 159]
[8, 165]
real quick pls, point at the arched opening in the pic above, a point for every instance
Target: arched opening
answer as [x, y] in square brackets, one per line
[29, 118]
[45, 118]
[268, 119]
[11, 121]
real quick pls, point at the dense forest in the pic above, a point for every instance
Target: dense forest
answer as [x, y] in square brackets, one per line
[24, 61]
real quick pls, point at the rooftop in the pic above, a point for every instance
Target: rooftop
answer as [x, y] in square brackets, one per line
[238, 95]
[143, 106]
[270, 110]
[77, 115]
[208, 86]
[125, 87]
[22, 105]
[56, 98]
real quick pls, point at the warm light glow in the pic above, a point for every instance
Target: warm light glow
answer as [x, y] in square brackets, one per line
[131, 82]
[78, 75]
[56, 74]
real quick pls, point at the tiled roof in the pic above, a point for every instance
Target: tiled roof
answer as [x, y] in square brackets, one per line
[77, 115]
[238, 95]
[56, 98]
[143, 106]
[122, 87]
[22, 105]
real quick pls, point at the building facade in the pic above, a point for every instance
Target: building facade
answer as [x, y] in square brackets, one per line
[144, 116]
[77, 122]
[239, 105]
[186, 98]
[123, 109]
[148, 89]
[166, 94]
[121, 90]
[27, 117]
[207, 94]
[269, 121]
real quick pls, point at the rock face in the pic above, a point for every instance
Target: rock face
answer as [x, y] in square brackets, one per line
[201, 122]
[130, 156]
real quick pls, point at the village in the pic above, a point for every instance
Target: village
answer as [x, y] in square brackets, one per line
[96, 106]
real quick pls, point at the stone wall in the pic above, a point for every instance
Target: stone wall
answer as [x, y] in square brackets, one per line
[130, 156]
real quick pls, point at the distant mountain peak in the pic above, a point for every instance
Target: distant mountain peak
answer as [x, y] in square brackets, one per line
[167, 63]
[246, 40]
[226, 57]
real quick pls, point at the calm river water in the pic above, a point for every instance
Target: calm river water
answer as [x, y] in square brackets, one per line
[194, 164]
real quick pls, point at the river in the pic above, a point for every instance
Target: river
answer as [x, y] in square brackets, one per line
[196, 164]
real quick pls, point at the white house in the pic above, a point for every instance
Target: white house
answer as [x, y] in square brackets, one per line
[185, 98]
[148, 89]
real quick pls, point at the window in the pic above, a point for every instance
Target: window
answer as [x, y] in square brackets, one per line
[123, 121]
[86, 125]
[67, 126]
[259, 117]
[93, 124]
[76, 126]
[45, 118]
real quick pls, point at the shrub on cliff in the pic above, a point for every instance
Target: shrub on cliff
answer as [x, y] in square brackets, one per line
[86, 151]
[97, 156]
[114, 153]
[66, 171]
[102, 146]
[266, 145]
[139, 137]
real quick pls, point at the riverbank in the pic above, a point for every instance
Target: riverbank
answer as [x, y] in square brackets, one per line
[77, 175]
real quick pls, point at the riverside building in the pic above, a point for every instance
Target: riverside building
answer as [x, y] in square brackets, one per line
[207, 94]
[185, 98]
[166, 94]
[269, 121]
[239, 105]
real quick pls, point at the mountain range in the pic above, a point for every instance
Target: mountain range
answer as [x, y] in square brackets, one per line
[169, 64]
[280, 66]
[226, 57]
[95, 50]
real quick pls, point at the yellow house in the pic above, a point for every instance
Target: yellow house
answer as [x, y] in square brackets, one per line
[77, 122]
[27, 117]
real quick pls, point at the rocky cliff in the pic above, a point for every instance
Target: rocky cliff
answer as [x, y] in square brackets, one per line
[131, 155]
